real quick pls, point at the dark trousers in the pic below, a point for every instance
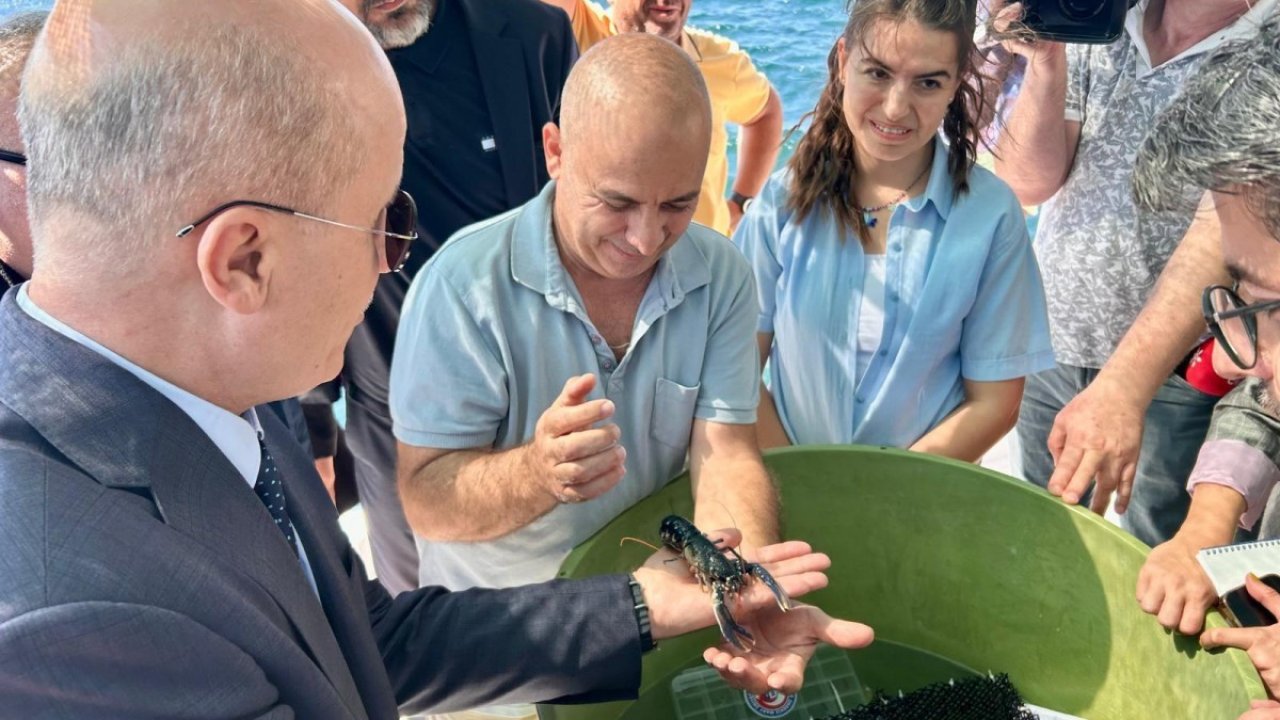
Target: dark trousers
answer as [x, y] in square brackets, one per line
[1175, 427]
[395, 556]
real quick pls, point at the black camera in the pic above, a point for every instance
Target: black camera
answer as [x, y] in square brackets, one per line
[1094, 22]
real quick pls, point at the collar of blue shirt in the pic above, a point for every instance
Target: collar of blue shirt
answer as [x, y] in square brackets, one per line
[535, 259]
[940, 191]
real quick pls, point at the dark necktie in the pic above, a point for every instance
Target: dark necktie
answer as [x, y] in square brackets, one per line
[271, 492]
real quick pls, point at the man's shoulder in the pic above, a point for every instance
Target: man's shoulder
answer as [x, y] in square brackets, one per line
[528, 18]
[712, 46]
[724, 260]
[477, 250]
[42, 528]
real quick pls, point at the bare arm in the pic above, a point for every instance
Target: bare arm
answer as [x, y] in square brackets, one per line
[988, 413]
[478, 494]
[1099, 432]
[469, 495]
[731, 487]
[1171, 321]
[758, 146]
[769, 432]
[1037, 146]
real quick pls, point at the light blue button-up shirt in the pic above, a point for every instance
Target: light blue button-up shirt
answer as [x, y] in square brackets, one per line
[493, 327]
[963, 300]
[235, 435]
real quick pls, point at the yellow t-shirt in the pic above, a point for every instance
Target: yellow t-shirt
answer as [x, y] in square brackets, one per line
[738, 95]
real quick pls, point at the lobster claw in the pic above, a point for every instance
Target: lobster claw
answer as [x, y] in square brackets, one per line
[730, 630]
[758, 570]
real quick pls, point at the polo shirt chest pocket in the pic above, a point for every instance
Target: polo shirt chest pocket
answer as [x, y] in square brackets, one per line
[673, 405]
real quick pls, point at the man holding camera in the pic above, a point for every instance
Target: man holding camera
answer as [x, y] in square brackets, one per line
[1071, 139]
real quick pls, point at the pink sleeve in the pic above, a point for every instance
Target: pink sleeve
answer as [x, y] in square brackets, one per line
[1241, 467]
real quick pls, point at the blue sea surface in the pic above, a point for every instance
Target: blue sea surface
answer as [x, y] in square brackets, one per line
[788, 40]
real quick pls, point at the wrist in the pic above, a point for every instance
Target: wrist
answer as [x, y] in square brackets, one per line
[1049, 58]
[1133, 390]
[644, 622]
[1213, 516]
[741, 200]
[660, 627]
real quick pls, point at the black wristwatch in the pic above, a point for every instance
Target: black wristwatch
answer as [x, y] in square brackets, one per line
[742, 201]
[642, 615]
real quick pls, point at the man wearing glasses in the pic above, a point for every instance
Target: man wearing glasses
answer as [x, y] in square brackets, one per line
[169, 552]
[1223, 135]
[480, 78]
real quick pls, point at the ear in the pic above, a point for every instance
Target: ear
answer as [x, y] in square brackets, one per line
[842, 56]
[237, 257]
[552, 148]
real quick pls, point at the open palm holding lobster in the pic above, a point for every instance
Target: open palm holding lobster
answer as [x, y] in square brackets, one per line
[782, 640]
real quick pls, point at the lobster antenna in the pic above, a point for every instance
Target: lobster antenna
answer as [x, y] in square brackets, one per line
[638, 540]
[726, 509]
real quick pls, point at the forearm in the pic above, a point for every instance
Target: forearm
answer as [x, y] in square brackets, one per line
[758, 144]
[472, 495]
[769, 431]
[737, 492]
[598, 662]
[970, 430]
[1211, 520]
[1034, 154]
[1171, 321]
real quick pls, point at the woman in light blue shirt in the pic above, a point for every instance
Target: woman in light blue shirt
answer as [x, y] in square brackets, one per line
[900, 300]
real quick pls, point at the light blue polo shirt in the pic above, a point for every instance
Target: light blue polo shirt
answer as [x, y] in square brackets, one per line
[493, 327]
[963, 299]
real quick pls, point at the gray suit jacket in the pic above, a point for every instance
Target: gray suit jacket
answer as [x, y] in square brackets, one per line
[140, 577]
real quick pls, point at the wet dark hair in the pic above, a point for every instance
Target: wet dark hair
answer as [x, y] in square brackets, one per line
[823, 168]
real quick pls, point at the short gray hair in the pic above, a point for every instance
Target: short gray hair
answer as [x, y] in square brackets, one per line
[168, 129]
[1222, 133]
[17, 35]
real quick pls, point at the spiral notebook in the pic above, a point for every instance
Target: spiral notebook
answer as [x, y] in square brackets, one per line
[1227, 565]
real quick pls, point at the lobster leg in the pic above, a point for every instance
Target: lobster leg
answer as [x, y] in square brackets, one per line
[729, 629]
[758, 570]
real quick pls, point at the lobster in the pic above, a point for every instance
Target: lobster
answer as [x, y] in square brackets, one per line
[725, 574]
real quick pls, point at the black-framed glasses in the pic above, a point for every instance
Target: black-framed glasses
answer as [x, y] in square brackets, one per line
[13, 158]
[397, 224]
[1234, 323]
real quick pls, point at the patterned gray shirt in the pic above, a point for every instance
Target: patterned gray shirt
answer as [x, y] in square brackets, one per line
[1100, 257]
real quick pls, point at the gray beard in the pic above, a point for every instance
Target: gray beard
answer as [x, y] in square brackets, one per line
[1262, 396]
[404, 27]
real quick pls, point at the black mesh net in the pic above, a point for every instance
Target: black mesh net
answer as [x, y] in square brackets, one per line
[984, 698]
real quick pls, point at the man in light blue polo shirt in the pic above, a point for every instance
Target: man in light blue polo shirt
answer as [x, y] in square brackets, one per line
[558, 363]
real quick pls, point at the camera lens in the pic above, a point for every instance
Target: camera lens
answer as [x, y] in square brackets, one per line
[1082, 9]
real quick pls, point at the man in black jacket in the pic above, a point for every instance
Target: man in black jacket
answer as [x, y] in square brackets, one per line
[493, 70]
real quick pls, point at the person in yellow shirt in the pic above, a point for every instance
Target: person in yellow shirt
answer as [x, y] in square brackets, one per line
[740, 94]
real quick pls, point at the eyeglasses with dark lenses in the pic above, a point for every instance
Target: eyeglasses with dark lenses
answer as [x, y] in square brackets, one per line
[1234, 323]
[397, 224]
[13, 158]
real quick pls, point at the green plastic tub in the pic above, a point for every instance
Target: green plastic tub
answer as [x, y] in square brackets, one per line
[956, 568]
